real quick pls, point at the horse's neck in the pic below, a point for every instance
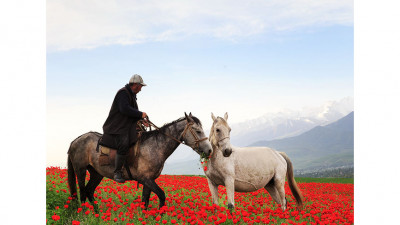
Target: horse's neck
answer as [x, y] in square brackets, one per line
[215, 150]
[217, 158]
[217, 165]
[175, 131]
[216, 155]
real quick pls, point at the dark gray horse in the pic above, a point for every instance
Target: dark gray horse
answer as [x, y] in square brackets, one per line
[155, 147]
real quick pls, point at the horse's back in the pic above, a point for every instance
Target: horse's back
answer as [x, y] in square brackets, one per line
[82, 146]
[258, 156]
[256, 166]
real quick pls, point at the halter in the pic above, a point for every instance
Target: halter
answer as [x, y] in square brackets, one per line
[196, 139]
[221, 140]
[224, 139]
[188, 126]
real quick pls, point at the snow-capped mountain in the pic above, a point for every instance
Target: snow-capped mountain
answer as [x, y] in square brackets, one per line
[288, 123]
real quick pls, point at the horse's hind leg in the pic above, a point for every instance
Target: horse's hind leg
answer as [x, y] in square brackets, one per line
[280, 187]
[270, 187]
[81, 175]
[95, 179]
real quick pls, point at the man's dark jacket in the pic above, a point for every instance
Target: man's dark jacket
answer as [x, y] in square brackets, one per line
[124, 114]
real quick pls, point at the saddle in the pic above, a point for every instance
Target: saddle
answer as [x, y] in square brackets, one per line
[107, 155]
[108, 150]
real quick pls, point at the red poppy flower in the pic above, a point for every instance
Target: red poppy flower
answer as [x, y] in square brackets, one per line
[158, 218]
[55, 217]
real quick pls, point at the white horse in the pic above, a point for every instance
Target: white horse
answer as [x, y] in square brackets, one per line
[247, 169]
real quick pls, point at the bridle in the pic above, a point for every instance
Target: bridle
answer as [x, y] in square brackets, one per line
[188, 126]
[197, 141]
[222, 140]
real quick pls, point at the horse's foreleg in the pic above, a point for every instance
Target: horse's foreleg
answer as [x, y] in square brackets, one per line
[156, 189]
[146, 196]
[230, 192]
[214, 191]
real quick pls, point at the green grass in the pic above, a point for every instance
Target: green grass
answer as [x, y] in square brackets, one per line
[325, 180]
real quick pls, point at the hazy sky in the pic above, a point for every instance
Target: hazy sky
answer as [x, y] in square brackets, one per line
[244, 58]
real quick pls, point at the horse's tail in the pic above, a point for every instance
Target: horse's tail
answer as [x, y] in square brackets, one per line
[71, 178]
[292, 183]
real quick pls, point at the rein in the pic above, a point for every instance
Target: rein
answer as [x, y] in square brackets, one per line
[188, 126]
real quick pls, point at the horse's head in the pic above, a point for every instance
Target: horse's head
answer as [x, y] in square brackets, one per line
[220, 135]
[193, 135]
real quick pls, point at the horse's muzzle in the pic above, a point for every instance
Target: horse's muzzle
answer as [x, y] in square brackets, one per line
[208, 152]
[227, 152]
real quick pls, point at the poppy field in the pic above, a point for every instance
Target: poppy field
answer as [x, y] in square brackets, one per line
[188, 201]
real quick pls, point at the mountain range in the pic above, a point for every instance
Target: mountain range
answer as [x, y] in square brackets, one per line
[289, 123]
[322, 147]
[314, 138]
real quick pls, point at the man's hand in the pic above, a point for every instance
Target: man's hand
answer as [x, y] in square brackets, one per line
[145, 123]
[145, 117]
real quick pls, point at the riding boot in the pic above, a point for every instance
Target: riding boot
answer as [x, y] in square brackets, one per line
[119, 162]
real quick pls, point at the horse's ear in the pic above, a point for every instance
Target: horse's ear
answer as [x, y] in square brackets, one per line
[190, 114]
[213, 117]
[188, 118]
[226, 116]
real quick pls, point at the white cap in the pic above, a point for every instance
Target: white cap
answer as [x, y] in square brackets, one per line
[137, 79]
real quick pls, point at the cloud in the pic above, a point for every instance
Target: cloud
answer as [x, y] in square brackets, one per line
[89, 24]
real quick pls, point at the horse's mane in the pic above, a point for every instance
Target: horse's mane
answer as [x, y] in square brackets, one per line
[211, 138]
[149, 134]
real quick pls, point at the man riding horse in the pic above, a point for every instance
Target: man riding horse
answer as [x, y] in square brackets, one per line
[120, 126]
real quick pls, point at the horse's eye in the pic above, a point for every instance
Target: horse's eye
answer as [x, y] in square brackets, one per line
[218, 130]
[198, 132]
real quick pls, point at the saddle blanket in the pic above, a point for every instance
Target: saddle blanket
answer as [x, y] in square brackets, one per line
[107, 156]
